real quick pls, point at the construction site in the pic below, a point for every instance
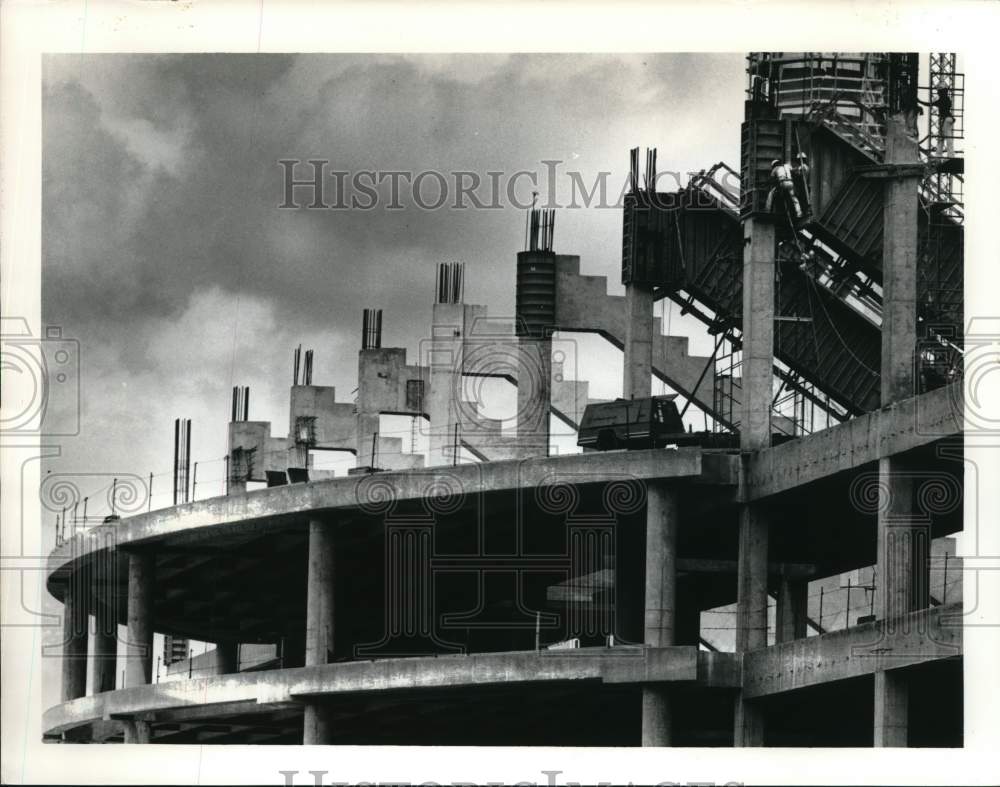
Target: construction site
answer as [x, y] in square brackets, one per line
[700, 587]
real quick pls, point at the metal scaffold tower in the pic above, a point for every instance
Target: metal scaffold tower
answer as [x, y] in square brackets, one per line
[942, 204]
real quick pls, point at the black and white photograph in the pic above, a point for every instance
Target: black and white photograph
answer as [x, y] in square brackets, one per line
[618, 409]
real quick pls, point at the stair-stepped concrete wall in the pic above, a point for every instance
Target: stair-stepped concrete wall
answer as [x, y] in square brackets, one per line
[386, 384]
[584, 305]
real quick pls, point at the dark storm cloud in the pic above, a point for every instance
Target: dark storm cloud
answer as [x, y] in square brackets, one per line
[212, 219]
[165, 252]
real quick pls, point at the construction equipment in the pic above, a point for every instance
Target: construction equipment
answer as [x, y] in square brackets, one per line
[632, 423]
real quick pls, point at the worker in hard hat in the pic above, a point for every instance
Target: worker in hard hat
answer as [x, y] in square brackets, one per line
[800, 173]
[781, 177]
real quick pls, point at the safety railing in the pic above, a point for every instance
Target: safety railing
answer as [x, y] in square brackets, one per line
[866, 135]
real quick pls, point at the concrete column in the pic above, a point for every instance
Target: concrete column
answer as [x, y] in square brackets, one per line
[902, 579]
[75, 623]
[136, 731]
[748, 723]
[319, 622]
[638, 381]
[227, 656]
[892, 701]
[368, 425]
[534, 395]
[899, 269]
[320, 591]
[751, 604]
[661, 604]
[758, 334]
[751, 614]
[139, 650]
[446, 362]
[755, 433]
[317, 725]
[657, 723]
[105, 648]
[661, 565]
[791, 610]
[902, 570]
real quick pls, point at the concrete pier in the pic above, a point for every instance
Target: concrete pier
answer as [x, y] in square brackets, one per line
[136, 731]
[105, 641]
[899, 268]
[320, 591]
[892, 701]
[751, 608]
[534, 395]
[368, 426]
[446, 361]
[319, 620]
[755, 434]
[227, 656]
[638, 383]
[105, 650]
[139, 650]
[75, 623]
[758, 333]
[902, 568]
[791, 610]
[661, 604]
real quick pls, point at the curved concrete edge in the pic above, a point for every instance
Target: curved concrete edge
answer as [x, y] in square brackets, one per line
[278, 507]
[269, 690]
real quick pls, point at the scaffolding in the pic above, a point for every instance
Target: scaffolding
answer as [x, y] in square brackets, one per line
[943, 184]
[851, 86]
[942, 205]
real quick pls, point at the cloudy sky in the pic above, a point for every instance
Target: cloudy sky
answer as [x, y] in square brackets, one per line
[166, 255]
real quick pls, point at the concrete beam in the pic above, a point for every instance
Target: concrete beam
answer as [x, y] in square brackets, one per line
[283, 688]
[905, 425]
[917, 638]
[278, 507]
[696, 565]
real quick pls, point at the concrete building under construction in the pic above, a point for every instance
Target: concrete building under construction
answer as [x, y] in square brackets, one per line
[795, 555]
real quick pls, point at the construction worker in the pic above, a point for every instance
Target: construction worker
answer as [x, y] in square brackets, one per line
[781, 177]
[800, 173]
[946, 123]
